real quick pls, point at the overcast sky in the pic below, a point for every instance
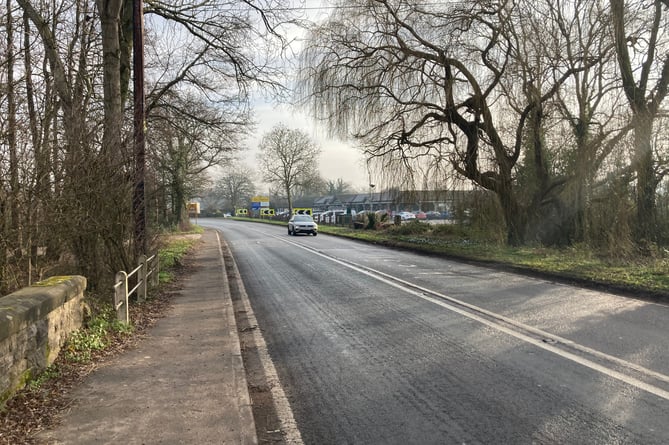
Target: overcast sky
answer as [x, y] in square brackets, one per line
[337, 159]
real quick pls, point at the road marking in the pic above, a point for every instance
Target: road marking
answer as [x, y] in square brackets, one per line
[472, 312]
[291, 434]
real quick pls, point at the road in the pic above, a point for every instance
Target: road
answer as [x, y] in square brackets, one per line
[379, 346]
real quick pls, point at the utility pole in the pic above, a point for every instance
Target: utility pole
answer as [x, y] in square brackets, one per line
[371, 197]
[138, 198]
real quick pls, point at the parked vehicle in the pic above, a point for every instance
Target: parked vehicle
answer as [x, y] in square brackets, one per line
[406, 216]
[302, 224]
[330, 216]
[421, 216]
[433, 215]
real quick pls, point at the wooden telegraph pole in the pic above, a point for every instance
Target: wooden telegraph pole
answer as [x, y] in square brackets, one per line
[138, 201]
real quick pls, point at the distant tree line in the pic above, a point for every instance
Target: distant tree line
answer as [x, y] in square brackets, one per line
[287, 164]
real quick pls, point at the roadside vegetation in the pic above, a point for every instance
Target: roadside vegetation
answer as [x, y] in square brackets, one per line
[641, 273]
[34, 408]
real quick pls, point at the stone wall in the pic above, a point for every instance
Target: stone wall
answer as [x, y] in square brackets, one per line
[34, 324]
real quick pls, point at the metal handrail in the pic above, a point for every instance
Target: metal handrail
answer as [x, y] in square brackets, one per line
[148, 268]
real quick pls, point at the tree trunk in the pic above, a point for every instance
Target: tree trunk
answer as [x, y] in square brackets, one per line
[514, 217]
[644, 110]
[110, 16]
[125, 47]
[14, 204]
[290, 201]
[500, 182]
[646, 180]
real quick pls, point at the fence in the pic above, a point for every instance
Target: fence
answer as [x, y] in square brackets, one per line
[146, 273]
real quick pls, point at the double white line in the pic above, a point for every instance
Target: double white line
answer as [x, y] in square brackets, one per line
[541, 339]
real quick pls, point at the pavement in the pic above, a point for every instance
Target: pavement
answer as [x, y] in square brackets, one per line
[183, 384]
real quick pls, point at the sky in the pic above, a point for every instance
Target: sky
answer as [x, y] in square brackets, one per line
[338, 159]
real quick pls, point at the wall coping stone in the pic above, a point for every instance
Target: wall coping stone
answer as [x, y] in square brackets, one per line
[30, 304]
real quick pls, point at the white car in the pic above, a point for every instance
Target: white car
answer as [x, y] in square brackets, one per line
[406, 216]
[302, 224]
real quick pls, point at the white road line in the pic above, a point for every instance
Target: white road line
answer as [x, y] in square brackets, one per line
[291, 434]
[445, 302]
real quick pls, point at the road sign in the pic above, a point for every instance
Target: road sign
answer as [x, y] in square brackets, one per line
[302, 211]
[194, 208]
[259, 201]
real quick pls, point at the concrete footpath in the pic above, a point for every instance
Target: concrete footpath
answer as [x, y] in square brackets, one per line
[182, 384]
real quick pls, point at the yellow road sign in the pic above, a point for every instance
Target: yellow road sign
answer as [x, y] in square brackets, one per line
[302, 211]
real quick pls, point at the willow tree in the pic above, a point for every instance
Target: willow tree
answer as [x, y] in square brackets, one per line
[410, 80]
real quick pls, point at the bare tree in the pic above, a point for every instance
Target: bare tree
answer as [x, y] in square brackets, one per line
[337, 187]
[191, 136]
[214, 45]
[589, 112]
[641, 39]
[11, 139]
[568, 135]
[235, 188]
[288, 160]
[75, 175]
[84, 177]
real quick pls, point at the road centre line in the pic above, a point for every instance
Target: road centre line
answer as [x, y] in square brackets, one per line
[499, 322]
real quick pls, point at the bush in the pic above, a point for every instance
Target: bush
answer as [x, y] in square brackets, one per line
[449, 231]
[170, 255]
[371, 221]
[96, 335]
[410, 228]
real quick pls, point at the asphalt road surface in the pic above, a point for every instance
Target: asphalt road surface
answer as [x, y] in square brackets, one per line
[380, 346]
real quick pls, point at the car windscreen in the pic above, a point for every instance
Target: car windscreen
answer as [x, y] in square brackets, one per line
[302, 218]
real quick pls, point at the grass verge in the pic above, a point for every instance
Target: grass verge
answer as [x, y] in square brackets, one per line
[640, 276]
